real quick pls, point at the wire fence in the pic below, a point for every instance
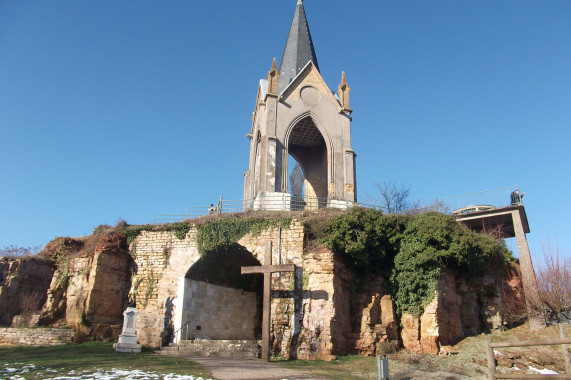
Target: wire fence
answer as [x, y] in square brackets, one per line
[274, 202]
[457, 204]
[482, 200]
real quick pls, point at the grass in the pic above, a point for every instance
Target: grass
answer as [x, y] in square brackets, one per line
[91, 357]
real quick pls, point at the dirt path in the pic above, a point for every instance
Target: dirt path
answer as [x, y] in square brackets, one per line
[244, 369]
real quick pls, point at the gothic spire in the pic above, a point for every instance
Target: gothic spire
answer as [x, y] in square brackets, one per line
[298, 50]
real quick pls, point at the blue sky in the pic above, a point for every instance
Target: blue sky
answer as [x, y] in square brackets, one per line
[124, 109]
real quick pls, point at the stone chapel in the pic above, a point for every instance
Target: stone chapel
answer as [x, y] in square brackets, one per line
[297, 114]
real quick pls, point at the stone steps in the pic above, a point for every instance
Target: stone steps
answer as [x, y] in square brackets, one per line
[244, 349]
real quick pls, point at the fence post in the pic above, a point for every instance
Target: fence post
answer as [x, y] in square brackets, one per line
[382, 367]
[491, 360]
[565, 350]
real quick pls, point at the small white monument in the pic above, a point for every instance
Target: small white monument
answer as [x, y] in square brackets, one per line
[128, 338]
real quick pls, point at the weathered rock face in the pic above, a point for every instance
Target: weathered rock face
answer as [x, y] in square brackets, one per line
[441, 324]
[88, 290]
[460, 308]
[374, 320]
[410, 333]
[23, 287]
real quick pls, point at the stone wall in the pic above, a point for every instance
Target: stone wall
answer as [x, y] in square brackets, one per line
[35, 337]
[308, 315]
[217, 312]
[161, 261]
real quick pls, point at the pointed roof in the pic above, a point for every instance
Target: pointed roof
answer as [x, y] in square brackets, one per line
[298, 50]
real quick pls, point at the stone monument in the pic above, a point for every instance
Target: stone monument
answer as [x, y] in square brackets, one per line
[128, 339]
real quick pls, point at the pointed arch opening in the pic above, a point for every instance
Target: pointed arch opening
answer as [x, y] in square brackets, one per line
[218, 301]
[308, 147]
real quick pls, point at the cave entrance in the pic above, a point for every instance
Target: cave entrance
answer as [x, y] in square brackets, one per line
[219, 303]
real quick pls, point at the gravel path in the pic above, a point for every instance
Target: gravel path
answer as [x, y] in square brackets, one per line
[244, 369]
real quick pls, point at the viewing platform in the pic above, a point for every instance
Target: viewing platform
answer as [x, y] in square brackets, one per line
[489, 211]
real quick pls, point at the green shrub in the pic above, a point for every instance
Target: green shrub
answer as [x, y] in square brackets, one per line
[366, 237]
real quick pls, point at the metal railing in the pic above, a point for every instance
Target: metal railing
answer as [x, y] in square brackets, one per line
[496, 198]
[273, 202]
[493, 375]
[175, 339]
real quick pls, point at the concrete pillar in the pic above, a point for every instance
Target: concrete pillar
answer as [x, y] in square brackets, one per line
[529, 280]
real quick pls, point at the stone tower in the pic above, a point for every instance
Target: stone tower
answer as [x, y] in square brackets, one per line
[297, 114]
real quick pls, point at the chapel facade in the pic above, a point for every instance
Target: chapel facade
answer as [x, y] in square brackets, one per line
[297, 114]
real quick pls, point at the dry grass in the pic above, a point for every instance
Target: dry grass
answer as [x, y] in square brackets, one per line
[469, 363]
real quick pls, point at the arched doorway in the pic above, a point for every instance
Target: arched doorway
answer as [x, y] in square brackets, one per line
[218, 301]
[307, 146]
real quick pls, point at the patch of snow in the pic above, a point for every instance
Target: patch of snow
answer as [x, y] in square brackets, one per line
[112, 374]
[544, 371]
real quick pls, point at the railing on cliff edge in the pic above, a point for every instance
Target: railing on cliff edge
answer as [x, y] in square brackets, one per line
[493, 198]
[281, 202]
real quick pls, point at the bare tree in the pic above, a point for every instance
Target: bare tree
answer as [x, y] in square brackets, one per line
[553, 297]
[393, 199]
[15, 251]
[513, 307]
[554, 285]
[31, 302]
[436, 206]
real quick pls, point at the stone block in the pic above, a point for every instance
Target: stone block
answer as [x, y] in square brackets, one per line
[127, 348]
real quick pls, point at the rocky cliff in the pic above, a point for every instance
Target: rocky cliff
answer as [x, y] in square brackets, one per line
[24, 283]
[325, 309]
[89, 287]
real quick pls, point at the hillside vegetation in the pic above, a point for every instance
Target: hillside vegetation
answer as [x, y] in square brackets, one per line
[410, 250]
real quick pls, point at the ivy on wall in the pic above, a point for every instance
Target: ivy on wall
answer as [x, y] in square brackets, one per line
[211, 234]
[410, 250]
[229, 230]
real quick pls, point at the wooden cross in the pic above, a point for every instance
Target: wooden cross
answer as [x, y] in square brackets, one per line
[267, 269]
